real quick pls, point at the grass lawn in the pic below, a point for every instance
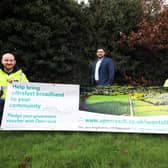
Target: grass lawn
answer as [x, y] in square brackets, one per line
[82, 150]
[119, 105]
[116, 105]
[142, 108]
[102, 98]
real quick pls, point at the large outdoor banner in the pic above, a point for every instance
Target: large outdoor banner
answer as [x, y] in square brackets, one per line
[41, 106]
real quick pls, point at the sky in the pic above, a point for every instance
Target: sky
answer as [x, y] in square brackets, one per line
[82, 0]
[166, 1]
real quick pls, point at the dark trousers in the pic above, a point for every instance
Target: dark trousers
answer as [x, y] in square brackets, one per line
[2, 102]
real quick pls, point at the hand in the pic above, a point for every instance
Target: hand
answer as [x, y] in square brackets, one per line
[10, 80]
[1, 93]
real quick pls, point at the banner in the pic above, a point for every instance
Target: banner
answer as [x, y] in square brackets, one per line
[41, 106]
[125, 109]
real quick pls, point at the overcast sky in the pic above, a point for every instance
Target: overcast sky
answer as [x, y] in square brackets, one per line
[86, 1]
[166, 1]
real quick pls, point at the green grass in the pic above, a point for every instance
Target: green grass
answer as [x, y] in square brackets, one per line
[82, 150]
[119, 105]
[142, 108]
[116, 105]
[102, 98]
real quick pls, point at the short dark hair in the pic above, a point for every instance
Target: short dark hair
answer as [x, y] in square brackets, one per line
[101, 47]
[8, 53]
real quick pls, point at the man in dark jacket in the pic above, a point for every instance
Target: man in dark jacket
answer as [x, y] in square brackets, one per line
[102, 70]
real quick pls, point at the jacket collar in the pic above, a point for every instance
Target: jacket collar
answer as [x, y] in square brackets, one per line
[16, 68]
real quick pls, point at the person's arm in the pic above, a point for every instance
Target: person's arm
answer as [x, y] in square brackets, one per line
[91, 72]
[165, 83]
[1, 91]
[23, 77]
[110, 71]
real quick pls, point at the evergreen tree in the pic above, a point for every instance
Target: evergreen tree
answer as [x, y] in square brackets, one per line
[48, 37]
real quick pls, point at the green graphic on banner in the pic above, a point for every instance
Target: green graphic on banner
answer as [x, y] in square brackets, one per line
[129, 101]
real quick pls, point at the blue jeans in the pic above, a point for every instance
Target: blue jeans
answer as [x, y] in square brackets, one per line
[2, 101]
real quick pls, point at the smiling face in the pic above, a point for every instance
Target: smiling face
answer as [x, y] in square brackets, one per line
[8, 61]
[100, 53]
